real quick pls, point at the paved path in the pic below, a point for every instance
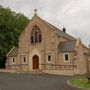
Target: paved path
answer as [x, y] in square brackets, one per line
[34, 82]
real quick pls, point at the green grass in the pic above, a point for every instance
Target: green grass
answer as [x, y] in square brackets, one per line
[82, 83]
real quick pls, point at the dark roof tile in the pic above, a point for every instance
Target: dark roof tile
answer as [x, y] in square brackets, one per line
[67, 46]
[13, 52]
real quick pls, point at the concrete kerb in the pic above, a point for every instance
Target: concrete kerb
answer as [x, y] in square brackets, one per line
[78, 87]
[22, 72]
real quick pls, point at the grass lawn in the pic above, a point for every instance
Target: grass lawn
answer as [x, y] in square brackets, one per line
[81, 83]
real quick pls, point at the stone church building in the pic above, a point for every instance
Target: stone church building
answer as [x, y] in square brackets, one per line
[46, 48]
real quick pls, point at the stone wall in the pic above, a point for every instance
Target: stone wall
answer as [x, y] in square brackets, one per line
[59, 72]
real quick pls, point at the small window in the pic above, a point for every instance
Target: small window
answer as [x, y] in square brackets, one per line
[66, 57]
[13, 60]
[49, 57]
[24, 59]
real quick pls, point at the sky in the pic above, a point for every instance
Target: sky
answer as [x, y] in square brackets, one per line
[73, 14]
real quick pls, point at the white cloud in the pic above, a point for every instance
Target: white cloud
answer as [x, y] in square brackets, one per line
[74, 14]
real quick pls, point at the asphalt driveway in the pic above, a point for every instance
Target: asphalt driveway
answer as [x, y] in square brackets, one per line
[34, 82]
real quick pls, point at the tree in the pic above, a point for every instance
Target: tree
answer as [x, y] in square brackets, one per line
[11, 25]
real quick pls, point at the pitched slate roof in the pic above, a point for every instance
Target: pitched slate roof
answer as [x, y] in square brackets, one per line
[60, 32]
[67, 46]
[13, 52]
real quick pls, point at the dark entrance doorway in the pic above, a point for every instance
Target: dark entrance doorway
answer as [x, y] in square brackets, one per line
[35, 62]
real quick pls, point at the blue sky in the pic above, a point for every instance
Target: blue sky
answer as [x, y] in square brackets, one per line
[73, 14]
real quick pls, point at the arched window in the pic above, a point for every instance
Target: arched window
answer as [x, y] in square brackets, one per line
[36, 36]
[40, 38]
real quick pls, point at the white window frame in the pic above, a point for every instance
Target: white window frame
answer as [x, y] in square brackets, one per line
[68, 57]
[50, 57]
[13, 58]
[23, 60]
